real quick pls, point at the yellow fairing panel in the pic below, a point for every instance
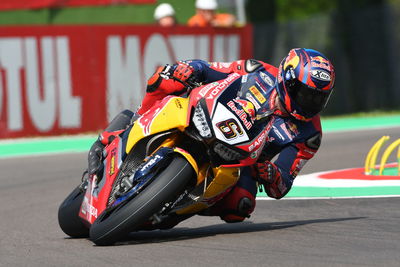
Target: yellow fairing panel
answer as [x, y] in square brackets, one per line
[171, 113]
[224, 179]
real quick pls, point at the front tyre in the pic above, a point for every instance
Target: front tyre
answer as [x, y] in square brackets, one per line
[68, 215]
[114, 224]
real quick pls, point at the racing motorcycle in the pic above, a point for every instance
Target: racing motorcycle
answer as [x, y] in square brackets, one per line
[175, 161]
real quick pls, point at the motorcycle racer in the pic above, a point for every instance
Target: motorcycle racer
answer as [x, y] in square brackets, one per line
[286, 100]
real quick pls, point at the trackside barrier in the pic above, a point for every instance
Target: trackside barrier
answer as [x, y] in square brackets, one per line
[370, 161]
[74, 79]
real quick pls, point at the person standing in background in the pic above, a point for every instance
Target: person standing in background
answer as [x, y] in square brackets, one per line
[206, 15]
[164, 15]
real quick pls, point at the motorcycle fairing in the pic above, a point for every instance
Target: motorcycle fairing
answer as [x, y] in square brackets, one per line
[223, 179]
[157, 120]
[97, 192]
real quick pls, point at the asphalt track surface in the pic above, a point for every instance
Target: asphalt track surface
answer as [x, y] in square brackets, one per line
[317, 232]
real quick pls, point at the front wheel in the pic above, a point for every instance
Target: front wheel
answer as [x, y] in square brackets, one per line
[68, 215]
[114, 224]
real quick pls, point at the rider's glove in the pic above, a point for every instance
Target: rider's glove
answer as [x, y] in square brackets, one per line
[270, 177]
[267, 172]
[183, 71]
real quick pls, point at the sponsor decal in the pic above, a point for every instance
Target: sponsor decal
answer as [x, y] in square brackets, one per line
[36, 89]
[224, 64]
[292, 60]
[320, 62]
[276, 131]
[271, 101]
[321, 75]
[247, 106]
[88, 208]
[241, 114]
[150, 163]
[260, 84]
[230, 129]
[244, 78]
[286, 131]
[259, 141]
[178, 103]
[147, 118]
[262, 138]
[220, 65]
[46, 90]
[266, 79]
[253, 100]
[257, 94]
[222, 114]
[222, 85]
[112, 162]
[203, 92]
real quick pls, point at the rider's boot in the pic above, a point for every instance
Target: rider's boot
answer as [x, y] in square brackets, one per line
[116, 127]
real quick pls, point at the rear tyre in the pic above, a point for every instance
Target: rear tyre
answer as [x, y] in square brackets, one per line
[114, 224]
[68, 215]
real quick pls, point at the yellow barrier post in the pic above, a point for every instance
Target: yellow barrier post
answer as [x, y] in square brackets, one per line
[386, 154]
[370, 161]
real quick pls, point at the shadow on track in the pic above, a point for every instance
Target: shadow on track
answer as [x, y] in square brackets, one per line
[176, 234]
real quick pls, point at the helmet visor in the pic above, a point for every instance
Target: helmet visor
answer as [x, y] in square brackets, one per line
[310, 100]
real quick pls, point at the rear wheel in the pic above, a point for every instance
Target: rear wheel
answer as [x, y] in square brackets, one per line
[114, 224]
[68, 215]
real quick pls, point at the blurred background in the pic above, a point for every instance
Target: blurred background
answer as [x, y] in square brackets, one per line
[361, 37]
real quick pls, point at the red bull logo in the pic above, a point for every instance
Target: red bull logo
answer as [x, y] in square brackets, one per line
[320, 62]
[247, 106]
[241, 114]
[292, 59]
[146, 120]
